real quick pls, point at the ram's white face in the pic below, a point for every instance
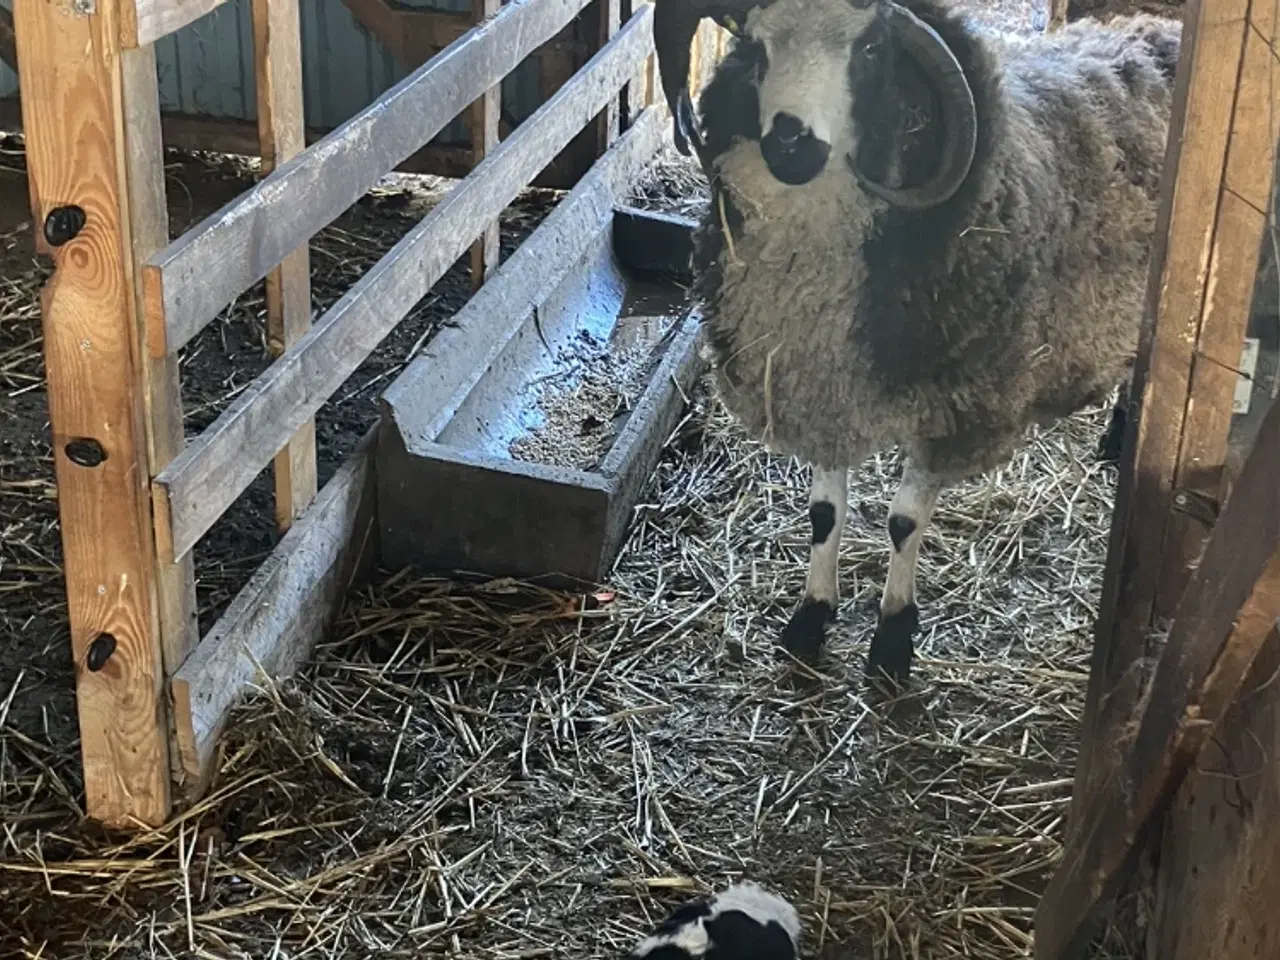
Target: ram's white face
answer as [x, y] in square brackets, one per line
[806, 103]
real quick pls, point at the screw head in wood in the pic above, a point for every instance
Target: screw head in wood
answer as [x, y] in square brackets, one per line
[100, 651]
[85, 452]
[63, 224]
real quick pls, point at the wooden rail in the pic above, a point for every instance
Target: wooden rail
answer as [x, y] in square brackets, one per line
[196, 276]
[271, 624]
[199, 485]
[143, 22]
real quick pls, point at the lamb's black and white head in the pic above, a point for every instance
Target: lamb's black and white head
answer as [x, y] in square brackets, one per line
[862, 83]
[742, 922]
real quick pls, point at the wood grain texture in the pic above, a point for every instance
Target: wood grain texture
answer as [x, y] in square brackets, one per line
[484, 116]
[201, 272]
[149, 232]
[217, 466]
[1219, 879]
[1218, 630]
[287, 606]
[143, 22]
[277, 46]
[76, 154]
[1204, 93]
[1247, 179]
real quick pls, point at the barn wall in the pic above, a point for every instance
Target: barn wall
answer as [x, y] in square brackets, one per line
[8, 79]
[206, 69]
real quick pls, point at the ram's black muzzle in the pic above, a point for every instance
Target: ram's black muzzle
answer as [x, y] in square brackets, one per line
[792, 152]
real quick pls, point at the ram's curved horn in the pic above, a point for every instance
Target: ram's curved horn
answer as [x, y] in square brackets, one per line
[674, 24]
[959, 114]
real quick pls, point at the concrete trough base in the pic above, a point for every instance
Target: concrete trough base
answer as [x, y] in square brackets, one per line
[484, 468]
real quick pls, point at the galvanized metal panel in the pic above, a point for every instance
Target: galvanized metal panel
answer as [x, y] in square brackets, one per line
[206, 69]
[8, 79]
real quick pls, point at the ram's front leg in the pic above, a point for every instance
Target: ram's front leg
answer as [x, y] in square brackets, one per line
[828, 503]
[892, 646]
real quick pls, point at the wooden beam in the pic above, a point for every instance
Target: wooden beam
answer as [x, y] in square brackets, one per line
[77, 146]
[1204, 96]
[1219, 875]
[216, 466]
[287, 606]
[1247, 181]
[1219, 627]
[277, 43]
[149, 232]
[197, 275]
[485, 114]
[8, 42]
[143, 22]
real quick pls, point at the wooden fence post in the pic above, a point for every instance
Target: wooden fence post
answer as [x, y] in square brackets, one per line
[277, 46]
[149, 231]
[485, 114]
[78, 153]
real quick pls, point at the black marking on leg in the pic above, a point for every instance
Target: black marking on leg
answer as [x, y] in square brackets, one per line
[900, 527]
[1112, 443]
[822, 518]
[892, 647]
[802, 636]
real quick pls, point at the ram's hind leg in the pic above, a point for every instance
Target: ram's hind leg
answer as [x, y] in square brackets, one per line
[892, 646]
[828, 503]
[1112, 443]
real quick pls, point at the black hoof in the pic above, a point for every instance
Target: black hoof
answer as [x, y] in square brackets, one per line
[892, 647]
[802, 636]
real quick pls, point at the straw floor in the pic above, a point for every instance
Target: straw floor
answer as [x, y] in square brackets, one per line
[490, 770]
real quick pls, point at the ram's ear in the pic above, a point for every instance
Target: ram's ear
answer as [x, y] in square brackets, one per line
[674, 24]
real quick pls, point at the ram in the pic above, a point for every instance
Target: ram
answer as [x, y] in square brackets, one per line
[921, 235]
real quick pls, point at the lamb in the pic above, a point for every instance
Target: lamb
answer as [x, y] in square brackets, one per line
[742, 922]
[921, 235]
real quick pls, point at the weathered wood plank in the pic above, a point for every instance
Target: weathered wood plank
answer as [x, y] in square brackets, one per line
[484, 116]
[149, 232]
[202, 271]
[277, 44]
[1219, 879]
[1220, 625]
[71, 83]
[1212, 47]
[1247, 179]
[143, 22]
[216, 466]
[286, 607]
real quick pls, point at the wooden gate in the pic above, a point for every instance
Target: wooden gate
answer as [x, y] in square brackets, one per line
[1194, 556]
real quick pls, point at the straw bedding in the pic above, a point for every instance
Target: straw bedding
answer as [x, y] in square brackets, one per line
[493, 770]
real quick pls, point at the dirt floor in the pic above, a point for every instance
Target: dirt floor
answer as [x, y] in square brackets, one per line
[484, 769]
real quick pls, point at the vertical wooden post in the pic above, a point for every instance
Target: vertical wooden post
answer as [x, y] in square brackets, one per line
[485, 114]
[149, 223]
[608, 125]
[1182, 265]
[277, 45]
[77, 150]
